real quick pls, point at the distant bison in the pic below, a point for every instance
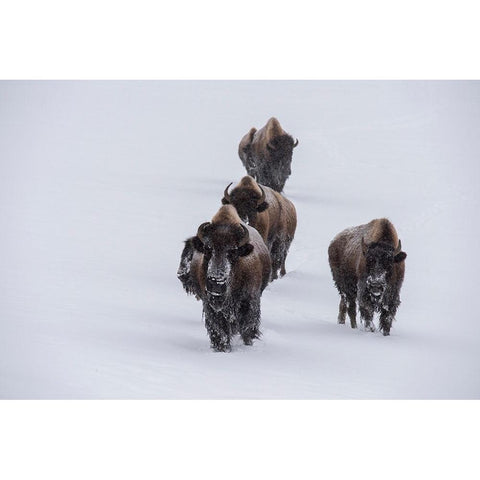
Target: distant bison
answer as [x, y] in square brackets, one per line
[273, 215]
[267, 154]
[368, 266]
[228, 268]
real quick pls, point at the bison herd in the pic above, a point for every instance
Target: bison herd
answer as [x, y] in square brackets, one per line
[232, 258]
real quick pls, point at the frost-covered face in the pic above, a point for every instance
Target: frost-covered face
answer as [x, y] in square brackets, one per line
[278, 166]
[222, 246]
[379, 259]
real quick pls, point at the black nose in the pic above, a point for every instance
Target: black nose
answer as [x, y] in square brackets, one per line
[216, 286]
[376, 288]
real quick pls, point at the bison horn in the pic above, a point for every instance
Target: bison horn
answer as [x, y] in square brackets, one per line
[296, 143]
[245, 236]
[262, 198]
[399, 248]
[226, 195]
[201, 230]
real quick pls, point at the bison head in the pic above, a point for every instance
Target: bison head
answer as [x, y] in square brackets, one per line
[379, 260]
[248, 199]
[222, 246]
[278, 166]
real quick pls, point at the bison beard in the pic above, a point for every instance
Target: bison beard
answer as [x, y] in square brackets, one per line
[234, 317]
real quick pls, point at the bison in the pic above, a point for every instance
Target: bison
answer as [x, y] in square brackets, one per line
[368, 266]
[228, 269]
[273, 215]
[267, 154]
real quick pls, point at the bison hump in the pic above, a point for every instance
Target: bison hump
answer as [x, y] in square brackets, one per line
[273, 129]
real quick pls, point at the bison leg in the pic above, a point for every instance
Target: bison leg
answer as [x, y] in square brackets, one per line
[285, 249]
[218, 329]
[366, 314]
[276, 260]
[278, 254]
[342, 310]
[387, 315]
[249, 320]
[251, 167]
[352, 312]
[385, 322]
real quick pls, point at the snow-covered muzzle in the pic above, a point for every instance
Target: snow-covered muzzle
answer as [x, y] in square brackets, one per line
[217, 281]
[376, 284]
[379, 265]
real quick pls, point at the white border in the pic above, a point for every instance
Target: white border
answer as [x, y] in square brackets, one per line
[239, 439]
[252, 39]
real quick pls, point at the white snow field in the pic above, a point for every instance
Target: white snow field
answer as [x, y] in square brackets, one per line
[101, 181]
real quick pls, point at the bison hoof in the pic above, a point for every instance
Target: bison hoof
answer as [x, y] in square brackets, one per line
[222, 348]
[386, 333]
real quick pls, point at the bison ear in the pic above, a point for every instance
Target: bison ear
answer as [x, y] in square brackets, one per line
[197, 244]
[225, 201]
[262, 207]
[245, 250]
[399, 257]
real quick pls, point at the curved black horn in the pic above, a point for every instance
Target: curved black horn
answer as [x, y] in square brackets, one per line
[226, 195]
[296, 143]
[399, 247]
[245, 236]
[201, 230]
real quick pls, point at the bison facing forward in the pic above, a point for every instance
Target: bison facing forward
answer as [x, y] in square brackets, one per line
[228, 268]
[273, 215]
[267, 154]
[368, 266]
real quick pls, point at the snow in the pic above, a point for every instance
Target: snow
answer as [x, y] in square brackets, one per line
[102, 181]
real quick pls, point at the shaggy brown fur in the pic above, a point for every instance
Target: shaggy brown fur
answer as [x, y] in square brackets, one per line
[368, 267]
[267, 154]
[273, 215]
[230, 268]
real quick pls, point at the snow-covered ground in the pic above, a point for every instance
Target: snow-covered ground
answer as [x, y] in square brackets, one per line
[102, 181]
